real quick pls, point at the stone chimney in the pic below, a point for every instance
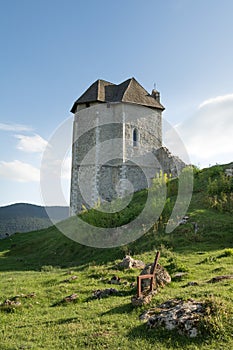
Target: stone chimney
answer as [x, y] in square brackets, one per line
[156, 95]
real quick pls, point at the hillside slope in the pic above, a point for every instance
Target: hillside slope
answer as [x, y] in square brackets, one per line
[23, 217]
[42, 268]
[49, 246]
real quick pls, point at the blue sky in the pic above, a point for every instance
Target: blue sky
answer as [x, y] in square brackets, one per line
[52, 50]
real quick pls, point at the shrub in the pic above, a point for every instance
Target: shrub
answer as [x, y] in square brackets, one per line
[226, 253]
[174, 265]
[220, 193]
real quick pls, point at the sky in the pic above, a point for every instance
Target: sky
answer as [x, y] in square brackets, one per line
[51, 51]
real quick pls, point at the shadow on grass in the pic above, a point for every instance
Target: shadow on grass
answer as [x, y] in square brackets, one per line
[123, 309]
[52, 322]
[119, 293]
[168, 339]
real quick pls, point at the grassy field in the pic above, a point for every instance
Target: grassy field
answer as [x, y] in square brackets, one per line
[43, 263]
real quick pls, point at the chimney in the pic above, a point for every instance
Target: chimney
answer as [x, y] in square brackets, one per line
[156, 95]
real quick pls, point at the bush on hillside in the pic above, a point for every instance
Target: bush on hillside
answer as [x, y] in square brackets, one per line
[220, 193]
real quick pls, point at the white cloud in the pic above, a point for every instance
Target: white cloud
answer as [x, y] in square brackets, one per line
[208, 134]
[19, 171]
[217, 100]
[31, 144]
[14, 127]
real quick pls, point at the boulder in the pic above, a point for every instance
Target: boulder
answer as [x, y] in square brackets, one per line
[102, 293]
[175, 314]
[144, 299]
[128, 263]
[161, 275]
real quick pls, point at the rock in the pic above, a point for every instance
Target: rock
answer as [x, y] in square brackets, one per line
[220, 278]
[102, 293]
[144, 299]
[161, 275]
[29, 295]
[191, 284]
[68, 299]
[11, 302]
[229, 172]
[72, 278]
[184, 220]
[184, 316]
[115, 280]
[128, 263]
[179, 276]
[10, 305]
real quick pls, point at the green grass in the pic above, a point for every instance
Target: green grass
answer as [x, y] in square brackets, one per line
[41, 261]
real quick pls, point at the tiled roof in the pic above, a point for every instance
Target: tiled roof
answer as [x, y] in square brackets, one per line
[130, 91]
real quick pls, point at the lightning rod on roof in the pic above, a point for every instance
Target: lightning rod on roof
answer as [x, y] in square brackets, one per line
[154, 86]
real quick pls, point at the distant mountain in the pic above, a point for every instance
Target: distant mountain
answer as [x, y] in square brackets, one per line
[23, 217]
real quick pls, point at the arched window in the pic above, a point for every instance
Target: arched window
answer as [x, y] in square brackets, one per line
[135, 138]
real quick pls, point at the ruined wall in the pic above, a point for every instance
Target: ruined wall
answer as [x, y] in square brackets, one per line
[169, 163]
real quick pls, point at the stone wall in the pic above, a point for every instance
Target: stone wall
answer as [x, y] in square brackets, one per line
[106, 161]
[168, 163]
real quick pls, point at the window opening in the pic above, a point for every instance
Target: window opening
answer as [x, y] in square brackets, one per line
[135, 138]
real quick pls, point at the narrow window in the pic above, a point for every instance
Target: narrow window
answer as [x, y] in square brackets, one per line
[135, 138]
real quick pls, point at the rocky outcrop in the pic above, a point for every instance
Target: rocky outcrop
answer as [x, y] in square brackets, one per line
[229, 172]
[175, 314]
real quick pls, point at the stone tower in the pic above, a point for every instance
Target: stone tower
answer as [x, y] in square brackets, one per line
[117, 130]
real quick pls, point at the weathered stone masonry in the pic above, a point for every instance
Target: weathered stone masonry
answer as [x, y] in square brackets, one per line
[117, 129]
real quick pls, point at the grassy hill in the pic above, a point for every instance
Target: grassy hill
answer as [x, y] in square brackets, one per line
[44, 261]
[23, 217]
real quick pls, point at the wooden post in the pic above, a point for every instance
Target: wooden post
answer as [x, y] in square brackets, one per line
[151, 276]
[138, 286]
